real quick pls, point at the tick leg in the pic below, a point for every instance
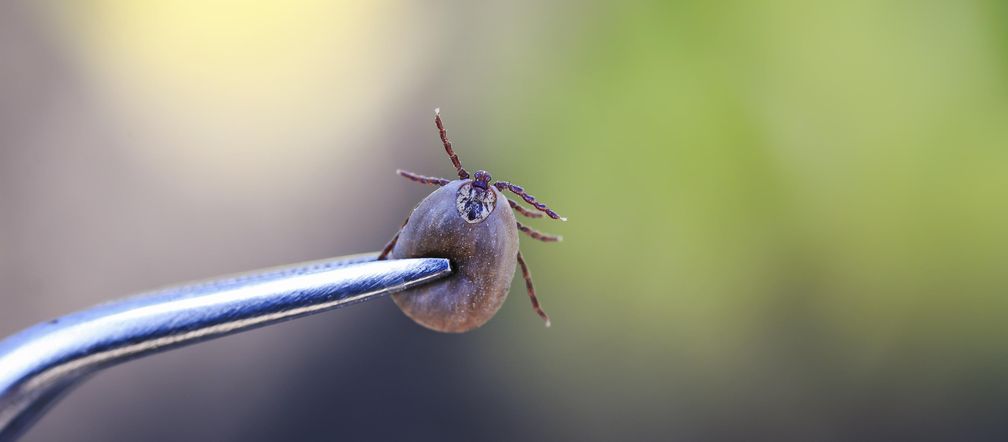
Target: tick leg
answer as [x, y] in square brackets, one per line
[531, 289]
[535, 234]
[389, 246]
[422, 179]
[518, 190]
[463, 175]
[522, 210]
[392, 242]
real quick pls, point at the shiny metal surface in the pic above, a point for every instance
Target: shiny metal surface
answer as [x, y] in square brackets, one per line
[38, 365]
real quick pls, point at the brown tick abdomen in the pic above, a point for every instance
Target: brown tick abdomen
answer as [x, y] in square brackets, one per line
[483, 258]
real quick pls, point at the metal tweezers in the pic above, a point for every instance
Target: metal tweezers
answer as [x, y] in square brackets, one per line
[41, 363]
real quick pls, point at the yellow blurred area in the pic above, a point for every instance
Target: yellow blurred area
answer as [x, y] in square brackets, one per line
[246, 84]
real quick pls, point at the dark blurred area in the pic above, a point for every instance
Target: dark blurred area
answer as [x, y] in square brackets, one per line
[787, 219]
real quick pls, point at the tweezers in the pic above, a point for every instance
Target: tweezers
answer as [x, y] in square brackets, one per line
[40, 364]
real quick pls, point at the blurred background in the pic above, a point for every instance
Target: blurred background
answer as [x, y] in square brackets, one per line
[788, 220]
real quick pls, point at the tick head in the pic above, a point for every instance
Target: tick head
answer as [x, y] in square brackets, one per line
[481, 179]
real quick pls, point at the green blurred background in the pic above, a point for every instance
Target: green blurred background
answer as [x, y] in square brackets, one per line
[787, 219]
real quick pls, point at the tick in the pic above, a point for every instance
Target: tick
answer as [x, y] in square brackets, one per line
[467, 221]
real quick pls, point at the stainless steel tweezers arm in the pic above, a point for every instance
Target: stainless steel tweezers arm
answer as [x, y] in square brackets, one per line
[38, 365]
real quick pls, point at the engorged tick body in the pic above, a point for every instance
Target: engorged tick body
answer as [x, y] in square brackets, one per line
[461, 221]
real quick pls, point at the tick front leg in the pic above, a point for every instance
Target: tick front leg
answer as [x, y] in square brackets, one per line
[448, 146]
[422, 179]
[518, 190]
[531, 289]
